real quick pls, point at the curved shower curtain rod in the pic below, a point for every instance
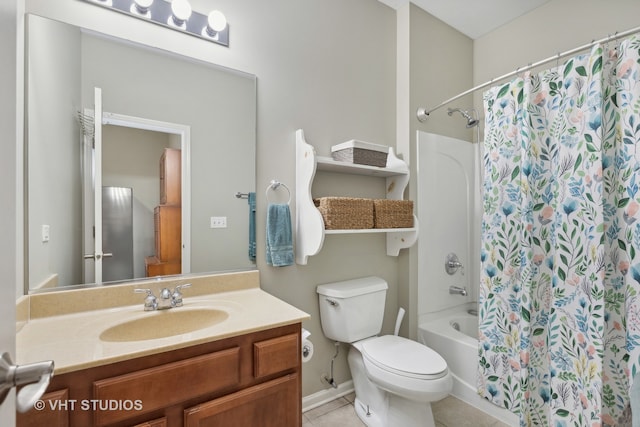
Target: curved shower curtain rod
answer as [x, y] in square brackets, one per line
[422, 113]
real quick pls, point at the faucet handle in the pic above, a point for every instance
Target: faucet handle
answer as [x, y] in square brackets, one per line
[452, 264]
[150, 302]
[177, 295]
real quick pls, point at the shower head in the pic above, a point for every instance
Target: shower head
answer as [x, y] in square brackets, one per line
[471, 121]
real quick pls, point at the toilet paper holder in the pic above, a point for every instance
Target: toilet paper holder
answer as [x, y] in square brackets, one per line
[306, 350]
[307, 346]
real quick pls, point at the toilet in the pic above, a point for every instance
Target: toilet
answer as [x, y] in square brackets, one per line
[395, 379]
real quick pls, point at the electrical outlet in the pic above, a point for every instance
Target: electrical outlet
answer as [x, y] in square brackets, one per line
[218, 222]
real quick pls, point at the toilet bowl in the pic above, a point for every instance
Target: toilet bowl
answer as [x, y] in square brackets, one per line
[395, 379]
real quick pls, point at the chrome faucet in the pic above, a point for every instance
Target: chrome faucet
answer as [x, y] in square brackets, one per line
[452, 264]
[165, 301]
[457, 290]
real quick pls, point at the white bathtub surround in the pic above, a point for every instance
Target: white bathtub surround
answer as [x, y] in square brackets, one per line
[447, 201]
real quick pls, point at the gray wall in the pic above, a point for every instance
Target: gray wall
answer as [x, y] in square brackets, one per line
[434, 62]
[554, 27]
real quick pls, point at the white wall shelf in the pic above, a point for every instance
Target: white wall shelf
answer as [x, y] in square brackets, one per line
[310, 229]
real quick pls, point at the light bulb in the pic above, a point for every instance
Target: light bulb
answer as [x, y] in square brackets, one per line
[181, 10]
[141, 6]
[216, 22]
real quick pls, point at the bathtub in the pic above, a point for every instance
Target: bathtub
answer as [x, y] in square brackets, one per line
[453, 334]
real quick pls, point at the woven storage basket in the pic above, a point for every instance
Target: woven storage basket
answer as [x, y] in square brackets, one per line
[345, 213]
[361, 156]
[393, 213]
[361, 153]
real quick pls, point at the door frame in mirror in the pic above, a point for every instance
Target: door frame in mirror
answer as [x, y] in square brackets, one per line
[184, 133]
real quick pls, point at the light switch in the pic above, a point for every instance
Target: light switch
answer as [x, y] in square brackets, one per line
[45, 233]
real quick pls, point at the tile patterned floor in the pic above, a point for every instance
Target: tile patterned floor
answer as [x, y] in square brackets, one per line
[449, 412]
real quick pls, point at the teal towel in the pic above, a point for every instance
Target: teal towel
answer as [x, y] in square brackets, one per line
[251, 199]
[279, 235]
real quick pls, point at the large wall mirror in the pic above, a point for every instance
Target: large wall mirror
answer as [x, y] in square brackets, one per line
[138, 151]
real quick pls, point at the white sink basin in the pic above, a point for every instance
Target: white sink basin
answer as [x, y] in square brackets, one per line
[164, 323]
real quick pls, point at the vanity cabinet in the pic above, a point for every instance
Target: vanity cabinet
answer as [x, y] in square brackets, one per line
[242, 381]
[310, 229]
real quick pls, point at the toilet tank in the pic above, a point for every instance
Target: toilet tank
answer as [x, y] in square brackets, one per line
[352, 310]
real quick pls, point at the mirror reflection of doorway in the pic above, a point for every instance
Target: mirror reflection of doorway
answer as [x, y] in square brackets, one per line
[131, 178]
[131, 158]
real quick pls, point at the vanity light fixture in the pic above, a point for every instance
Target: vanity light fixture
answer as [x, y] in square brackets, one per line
[175, 14]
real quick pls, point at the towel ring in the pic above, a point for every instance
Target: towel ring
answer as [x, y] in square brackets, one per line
[274, 186]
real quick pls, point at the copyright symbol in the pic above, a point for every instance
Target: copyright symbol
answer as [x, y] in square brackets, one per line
[39, 405]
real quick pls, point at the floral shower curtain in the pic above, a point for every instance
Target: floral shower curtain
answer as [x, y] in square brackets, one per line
[559, 304]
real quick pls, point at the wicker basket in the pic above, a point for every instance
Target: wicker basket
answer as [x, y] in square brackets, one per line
[345, 213]
[361, 153]
[393, 213]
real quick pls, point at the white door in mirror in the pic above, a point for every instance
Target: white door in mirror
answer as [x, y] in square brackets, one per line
[34, 377]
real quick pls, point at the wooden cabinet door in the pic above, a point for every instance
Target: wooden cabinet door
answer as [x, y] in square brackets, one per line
[170, 177]
[160, 422]
[271, 404]
[170, 384]
[168, 233]
[54, 411]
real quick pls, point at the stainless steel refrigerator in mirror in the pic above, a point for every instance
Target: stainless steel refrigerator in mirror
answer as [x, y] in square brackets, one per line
[117, 233]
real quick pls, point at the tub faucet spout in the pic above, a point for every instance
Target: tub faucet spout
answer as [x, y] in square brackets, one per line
[457, 290]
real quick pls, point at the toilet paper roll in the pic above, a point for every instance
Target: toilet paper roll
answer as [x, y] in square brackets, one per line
[307, 350]
[307, 346]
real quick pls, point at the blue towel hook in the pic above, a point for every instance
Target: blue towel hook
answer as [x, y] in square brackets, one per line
[274, 185]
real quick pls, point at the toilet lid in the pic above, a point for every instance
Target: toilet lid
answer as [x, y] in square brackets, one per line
[404, 357]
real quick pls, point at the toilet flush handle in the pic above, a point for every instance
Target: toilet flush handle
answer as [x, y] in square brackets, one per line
[332, 302]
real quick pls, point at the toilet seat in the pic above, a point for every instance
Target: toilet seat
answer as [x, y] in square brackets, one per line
[404, 357]
[405, 368]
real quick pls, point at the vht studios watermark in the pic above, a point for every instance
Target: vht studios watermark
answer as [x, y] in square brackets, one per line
[88, 405]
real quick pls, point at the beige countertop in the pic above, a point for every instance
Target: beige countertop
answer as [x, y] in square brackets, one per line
[71, 337]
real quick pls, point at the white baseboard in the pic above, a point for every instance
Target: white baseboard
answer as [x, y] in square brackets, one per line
[324, 396]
